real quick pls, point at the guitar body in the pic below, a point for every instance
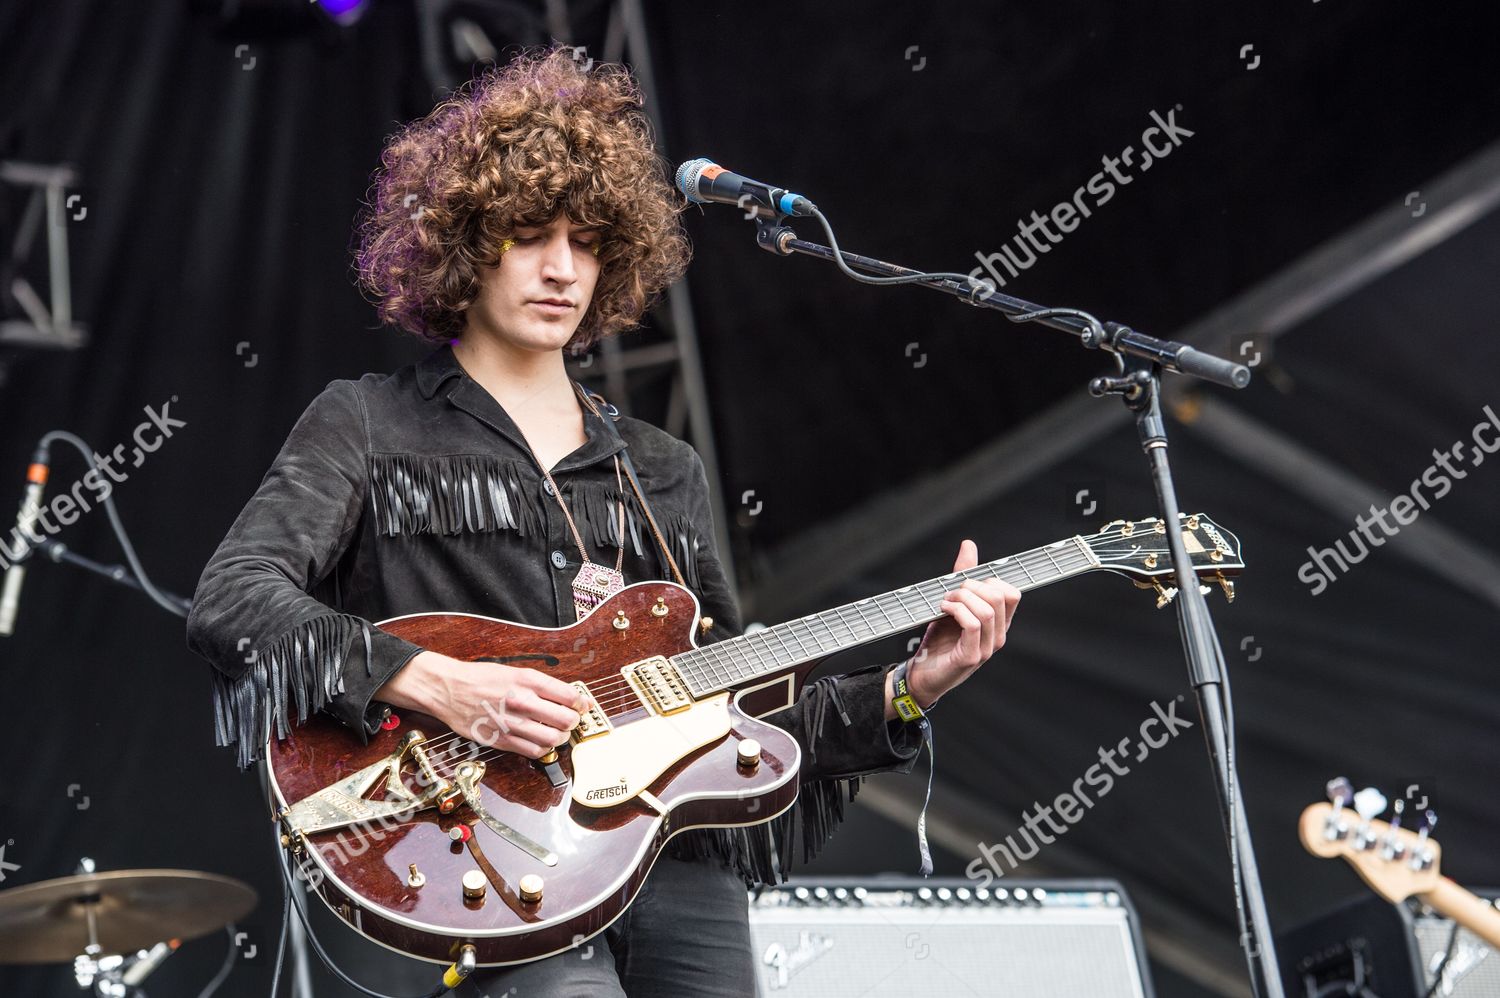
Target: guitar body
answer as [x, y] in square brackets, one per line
[431, 845]
[651, 775]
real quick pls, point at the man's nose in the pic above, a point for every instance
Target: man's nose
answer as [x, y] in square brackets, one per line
[557, 261]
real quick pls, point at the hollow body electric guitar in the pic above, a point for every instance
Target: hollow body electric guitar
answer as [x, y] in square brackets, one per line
[434, 845]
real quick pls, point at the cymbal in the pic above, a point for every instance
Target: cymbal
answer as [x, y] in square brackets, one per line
[47, 922]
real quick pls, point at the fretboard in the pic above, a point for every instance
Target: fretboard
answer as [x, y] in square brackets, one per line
[735, 661]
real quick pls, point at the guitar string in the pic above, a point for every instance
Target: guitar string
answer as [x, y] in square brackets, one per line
[618, 694]
[445, 751]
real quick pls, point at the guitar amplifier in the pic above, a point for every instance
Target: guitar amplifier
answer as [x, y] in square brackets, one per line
[861, 938]
[1393, 950]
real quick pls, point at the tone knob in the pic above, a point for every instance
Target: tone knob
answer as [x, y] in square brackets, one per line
[748, 753]
[474, 885]
[531, 888]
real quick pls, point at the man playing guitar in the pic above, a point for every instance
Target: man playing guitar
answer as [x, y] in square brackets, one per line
[484, 480]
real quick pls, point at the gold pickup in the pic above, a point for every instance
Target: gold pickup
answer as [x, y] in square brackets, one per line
[592, 720]
[658, 685]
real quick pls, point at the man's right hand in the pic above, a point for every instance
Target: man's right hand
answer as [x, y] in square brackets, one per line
[500, 706]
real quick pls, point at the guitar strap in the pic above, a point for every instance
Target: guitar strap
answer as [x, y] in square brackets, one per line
[590, 399]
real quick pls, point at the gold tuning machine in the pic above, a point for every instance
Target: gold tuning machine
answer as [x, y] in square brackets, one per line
[1164, 594]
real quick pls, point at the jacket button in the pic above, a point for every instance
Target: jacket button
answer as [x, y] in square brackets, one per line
[559, 560]
[547, 487]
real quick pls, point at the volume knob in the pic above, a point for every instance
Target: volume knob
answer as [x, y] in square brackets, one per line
[474, 885]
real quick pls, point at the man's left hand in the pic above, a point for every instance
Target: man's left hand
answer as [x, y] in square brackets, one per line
[977, 616]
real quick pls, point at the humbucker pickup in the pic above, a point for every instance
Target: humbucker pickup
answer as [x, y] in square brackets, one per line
[592, 720]
[658, 684]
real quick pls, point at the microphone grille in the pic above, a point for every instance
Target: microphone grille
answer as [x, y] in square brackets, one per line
[687, 178]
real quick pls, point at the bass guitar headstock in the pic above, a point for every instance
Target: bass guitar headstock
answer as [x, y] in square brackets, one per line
[1396, 862]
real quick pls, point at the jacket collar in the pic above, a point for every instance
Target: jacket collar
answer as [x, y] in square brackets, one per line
[439, 368]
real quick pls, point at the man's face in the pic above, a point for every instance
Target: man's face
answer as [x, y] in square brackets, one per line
[538, 295]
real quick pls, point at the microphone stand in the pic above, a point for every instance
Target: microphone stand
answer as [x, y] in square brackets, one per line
[1139, 360]
[56, 551]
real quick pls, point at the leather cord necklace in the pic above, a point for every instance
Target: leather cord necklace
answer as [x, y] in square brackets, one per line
[595, 583]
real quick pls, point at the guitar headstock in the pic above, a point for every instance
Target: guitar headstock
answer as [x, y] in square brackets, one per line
[1396, 862]
[1138, 548]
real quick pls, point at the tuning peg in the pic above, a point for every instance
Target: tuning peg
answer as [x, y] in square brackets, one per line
[1368, 804]
[1340, 793]
[1227, 585]
[1393, 847]
[1164, 594]
[1421, 853]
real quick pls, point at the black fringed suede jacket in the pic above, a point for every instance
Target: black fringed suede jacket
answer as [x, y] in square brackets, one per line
[414, 492]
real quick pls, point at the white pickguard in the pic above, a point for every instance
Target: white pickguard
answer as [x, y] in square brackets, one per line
[612, 768]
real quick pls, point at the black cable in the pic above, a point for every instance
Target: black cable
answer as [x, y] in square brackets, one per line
[1437, 972]
[108, 503]
[286, 924]
[838, 258]
[213, 985]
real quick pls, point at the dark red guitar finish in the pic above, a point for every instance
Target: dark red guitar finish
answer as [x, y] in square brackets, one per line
[363, 872]
[674, 713]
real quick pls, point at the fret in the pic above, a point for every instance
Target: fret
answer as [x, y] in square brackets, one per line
[711, 656]
[865, 620]
[792, 654]
[1020, 560]
[772, 649]
[723, 663]
[854, 636]
[905, 593]
[817, 646]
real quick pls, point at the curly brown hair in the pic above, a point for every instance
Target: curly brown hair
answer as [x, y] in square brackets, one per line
[511, 148]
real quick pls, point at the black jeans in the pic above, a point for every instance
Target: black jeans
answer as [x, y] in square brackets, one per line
[686, 934]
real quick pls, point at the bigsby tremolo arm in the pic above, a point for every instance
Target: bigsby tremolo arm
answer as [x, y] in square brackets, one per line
[343, 803]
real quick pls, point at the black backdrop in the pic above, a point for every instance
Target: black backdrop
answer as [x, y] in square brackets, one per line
[212, 267]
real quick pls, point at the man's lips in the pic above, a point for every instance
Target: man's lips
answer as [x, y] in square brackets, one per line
[555, 306]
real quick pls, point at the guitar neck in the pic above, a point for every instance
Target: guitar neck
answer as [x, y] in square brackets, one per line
[1467, 909]
[735, 662]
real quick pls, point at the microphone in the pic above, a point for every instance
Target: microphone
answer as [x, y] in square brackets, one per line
[703, 180]
[31, 508]
[144, 965]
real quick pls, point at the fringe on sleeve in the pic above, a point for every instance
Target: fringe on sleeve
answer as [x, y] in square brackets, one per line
[301, 670]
